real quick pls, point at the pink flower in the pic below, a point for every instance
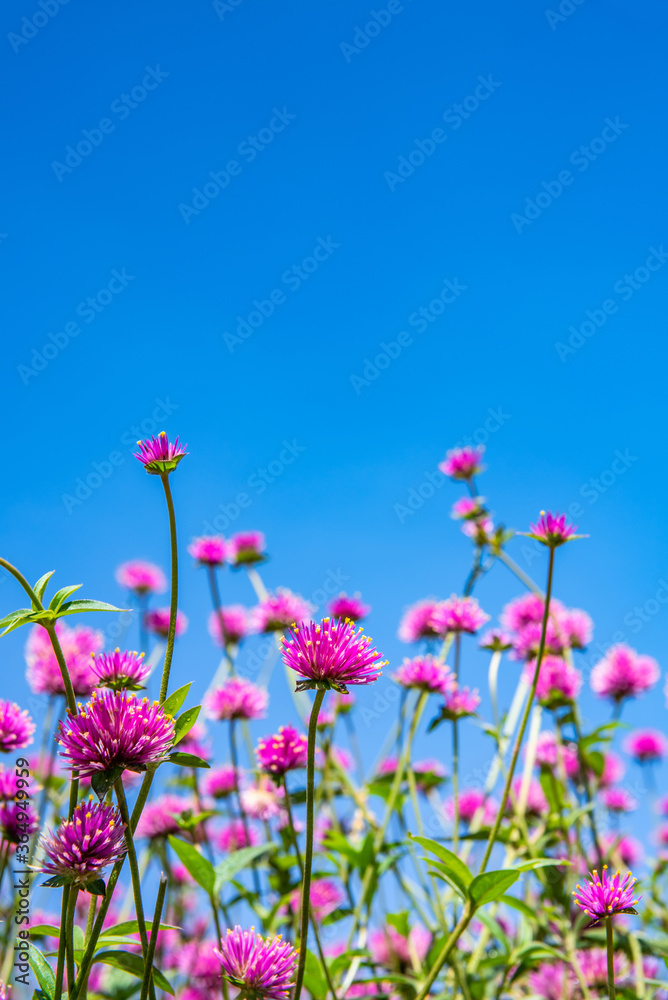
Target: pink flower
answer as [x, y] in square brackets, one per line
[81, 848]
[618, 800]
[418, 621]
[393, 950]
[142, 577]
[558, 682]
[549, 752]
[120, 670]
[16, 727]
[325, 898]
[429, 774]
[646, 745]
[237, 699]
[331, 655]
[536, 804]
[623, 849]
[528, 610]
[263, 969]
[284, 751]
[496, 640]
[264, 800]
[527, 641]
[344, 606]
[425, 673]
[198, 962]
[157, 621]
[209, 550]
[236, 622]
[552, 981]
[247, 548]
[463, 463]
[279, 611]
[662, 806]
[232, 837]
[220, 781]
[622, 673]
[158, 455]
[467, 508]
[479, 529]
[341, 757]
[604, 896]
[470, 801]
[460, 702]
[613, 769]
[552, 530]
[160, 817]
[459, 614]
[43, 673]
[387, 767]
[17, 819]
[594, 965]
[577, 627]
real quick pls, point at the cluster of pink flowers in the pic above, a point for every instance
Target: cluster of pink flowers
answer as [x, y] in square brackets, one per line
[567, 628]
[236, 699]
[43, 673]
[430, 619]
[157, 622]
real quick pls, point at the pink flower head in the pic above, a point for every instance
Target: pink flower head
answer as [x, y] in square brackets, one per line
[460, 702]
[527, 641]
[279, 611]
[393, 950]
[558, 682]
[263, 969]
[157, 622]
[425, 673]
[158, 455]
[331, 655]
[549, 753]
[552, 530]
[16, 727]
[43, 673]
[264, 800]
[247, 548]
[235, 621]
[141, 577]
[646, 745]
[459, 614]
[613, 769]
[326, 897]
[115, 730]
[552, 981]
[536, 804]
[418, 621]
[528, 610]
[577, 627]
[237, 699]
[220, 781]
[232, 837]
[120, 670]
[618, 800]
[341, 758]
[594, 965]
[467, 508]
[479, 529]
[209, 550]
[81, 848]
[604, 896]
[624, 849]
[662, 806]
[198, 962]
[160, 817]
[345, 702]
[344, 606]
[470, 801]
[429, 774]
[622, 673]
[326, 717]
[496, 640]
[387, 767]
[285, 751]
[17, 819]
[462, 463]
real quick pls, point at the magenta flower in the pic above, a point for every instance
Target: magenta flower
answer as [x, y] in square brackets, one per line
[392, 950]
[549, 753]
[279, 611]
[528, 610]
[625, 850]
[603, 897]
[80, 849]
[577, 627]
[426, 673]
[158, 455]
[594, 965]
[326, 897]
[552, 981]
[160, 817]
[618, 800]
[613, 769]
[470, 801]
[43, 673]
[285, 751]
[120, 670]
[552, 530]
[460, 702]
[157, 622]
[496, 640]
[622, 673]
[527, 641]
[646, 745]
[536, 804]
[467, 508]
[339, 756]
[387, 767]
[221, 781]
[237, 699]
[141, 577]
[418, 621]
[558, 684]
[247, 548]
[236, 622]
[16, 727]
[115, 730]
[459, 614]
[344, 606]
[429, 774]
[462, 463]
[479, 529]
[264, 800]
[331, 655]
[197, 961]
[210, 550]
[232, 837]
[17, 820]
[326, 717]
[263, 969]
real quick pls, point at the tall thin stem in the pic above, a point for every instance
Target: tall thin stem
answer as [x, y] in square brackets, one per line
[155, 927]
[455, 755]
[242, 812]
[69, 936]
[609, 940]
[134, 872]
[60, 963]
[169, 652]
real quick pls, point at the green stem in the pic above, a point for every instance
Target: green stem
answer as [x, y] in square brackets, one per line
[60, 964]
[134, 867]
[169, 652]
[155, 927]
[67, 683]
[609, 940]
[519, 573]
[455, 755]
[308, 857]
[242, 814]
[69, 936]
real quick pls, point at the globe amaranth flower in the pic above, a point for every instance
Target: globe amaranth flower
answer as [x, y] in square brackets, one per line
[460, 702]
[536, 803]
[17, 819]
[332, 654]
[262, 968]
[527, 641]
[120, 670]
[209, 550]
[221, 781]
[528, 609]
[157, 622]
[646, 745]
[393, 950]
[345, 606]
[552, 530]
[467, 508]
[234, 836]
[426, 673]
[479, 530]
[79, 850]
[623, 673]
[594, 966]
[235, 622]
[284, 751]
[470, 801]
[429, 774]
[247, 548]
[115, 730]
[558, 683]
[236, 699]
[462, 463]
[43, 673]
[160, 817]
[418, 621]
[197, 961]
[618, 800]
[279, 611]
[577, 627]
[613, 769]
[459, 614]
[326, 897]
[551, 754]
[496, 640]
[553, 981]
[159, 455]
[263, 800]
[16, 727]
[604, 896]
[141, 577]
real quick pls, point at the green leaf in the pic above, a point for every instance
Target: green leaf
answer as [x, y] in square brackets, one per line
[44, 930]
[488, 887]
[176, 699]
[102, 781]
[527, 866]
[553, 790]
[520, 906]
[185, 722]
[576, 814]
[314, 978]
[187, 759]
[131, 927]
[43, 972]
[61, 596]
[400, 922]
[134, 964]
[15, 620]
[495, 929]
[199, 867]
[459, 870]
[97, 887]
[56, 881]
[40, 586]
[595, 760]
[447, 874]
[236, 862]
[77, 607]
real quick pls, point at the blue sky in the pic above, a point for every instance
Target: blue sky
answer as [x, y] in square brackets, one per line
[235, 222]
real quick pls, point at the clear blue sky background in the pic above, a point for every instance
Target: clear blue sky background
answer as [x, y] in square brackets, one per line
[348, 117]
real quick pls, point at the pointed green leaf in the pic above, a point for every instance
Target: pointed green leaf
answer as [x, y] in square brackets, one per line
[134, 964]
[173, 704]
[527, 866]
[400, 922]
[40, 586]
[129, 927]
[44, 930]
[77, 607]
[236, 862]
[15, 620]
[187, 759]
[199, 867]
[520, 906]
[185, 722]
[490, 886]
[450, 860]
[314, 977]
[450, 876]
[96, 888]
[61, 596]
[102, 781]
[43, 972]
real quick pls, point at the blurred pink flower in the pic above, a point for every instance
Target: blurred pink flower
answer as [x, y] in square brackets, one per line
[623, 673]
[220, 781]
[646, 745]
[16, 727]
[549, 752]
[426, 673]
[460, 702]
[462, 463]
[429, 774]
[618, 800]
[326, 897]
[344, 606]
[158, 818]
[246, 548]
[496, 640]
[576, 626]
[594, 965]
[157, 622]
[552, 529]
[558, 682]
[159, 455]
[418, 621]
[232, 837]
[459, 614]
[279, 611]
[528, 610]
[527, 641]
[263, 800]
[43, 673]
[553, 981]
[209, 550]
[392, 950]
[613, 769]
[236, 620]
[141, 577]
[536, 804]
[236, 698]
[466, 508]
[470, 800]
